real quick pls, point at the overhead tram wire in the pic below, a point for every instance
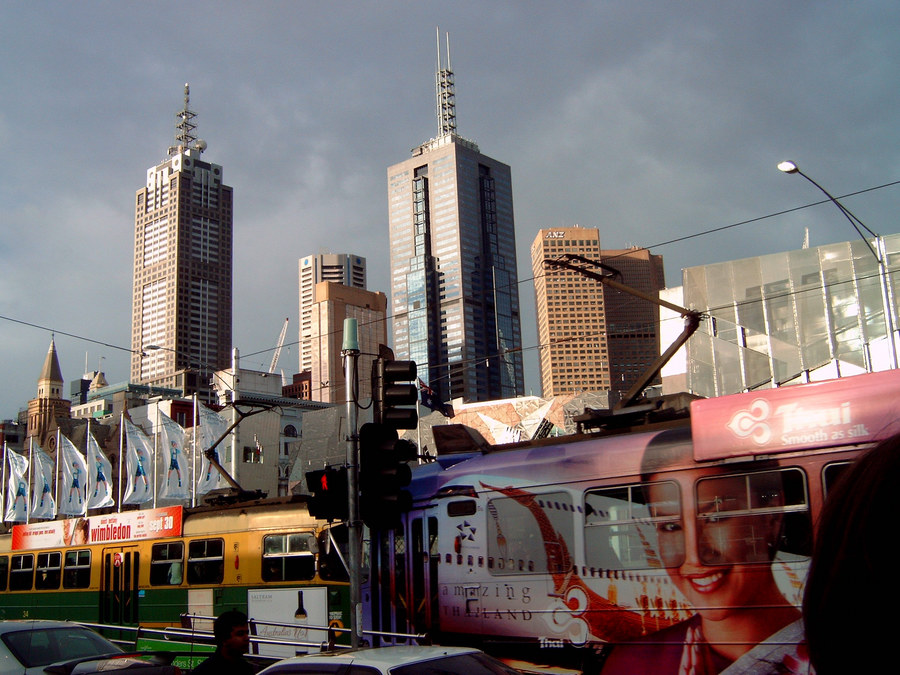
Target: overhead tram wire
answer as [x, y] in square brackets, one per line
[523, 349]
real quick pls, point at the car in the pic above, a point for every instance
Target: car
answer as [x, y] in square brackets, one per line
[396, 660]
[40, 647]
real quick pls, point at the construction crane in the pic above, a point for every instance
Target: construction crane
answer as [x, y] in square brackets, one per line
[280, 344]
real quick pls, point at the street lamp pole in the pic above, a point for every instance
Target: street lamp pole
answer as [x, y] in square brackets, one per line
[790, 167]
[350, 352]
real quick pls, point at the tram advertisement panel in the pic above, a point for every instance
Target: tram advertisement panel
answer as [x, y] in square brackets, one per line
[108, 528]
[289, 612]
[682, 568]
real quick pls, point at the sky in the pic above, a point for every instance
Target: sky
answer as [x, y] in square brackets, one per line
[652, 121]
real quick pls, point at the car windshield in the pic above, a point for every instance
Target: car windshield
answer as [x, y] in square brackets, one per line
[462, 664]
[43, 646]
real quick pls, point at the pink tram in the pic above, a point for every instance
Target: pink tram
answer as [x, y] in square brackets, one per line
[673, 547]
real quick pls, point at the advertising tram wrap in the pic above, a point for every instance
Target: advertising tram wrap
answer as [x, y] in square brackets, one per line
[679, 549]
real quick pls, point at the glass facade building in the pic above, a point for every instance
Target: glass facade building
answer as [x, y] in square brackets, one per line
[454, 284]
[798, 316]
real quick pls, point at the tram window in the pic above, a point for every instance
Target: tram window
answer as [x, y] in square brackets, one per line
[333, 543]
[167, 564]
[4, 571]
[752, 517]
[49, 570]
[286, 557]
[832, 473]
[206, 561]
[515, 542]
[21, 573]
[635, 526]
[77, 571]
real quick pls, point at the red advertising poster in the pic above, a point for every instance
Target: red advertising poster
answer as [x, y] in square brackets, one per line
[856, 409]
[112, 527]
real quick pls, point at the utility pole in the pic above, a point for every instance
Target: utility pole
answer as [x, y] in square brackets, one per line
[350, 352]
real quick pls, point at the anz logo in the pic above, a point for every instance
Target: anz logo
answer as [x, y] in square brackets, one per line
[555, 234]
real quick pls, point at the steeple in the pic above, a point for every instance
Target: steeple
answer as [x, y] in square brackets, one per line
[446, 95]
[51, 380]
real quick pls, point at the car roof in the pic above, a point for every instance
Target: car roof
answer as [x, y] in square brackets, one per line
[397, 655]
[15, 625]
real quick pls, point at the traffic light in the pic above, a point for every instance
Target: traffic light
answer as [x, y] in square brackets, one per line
[383, 475]
[388, 392]
[329, 493]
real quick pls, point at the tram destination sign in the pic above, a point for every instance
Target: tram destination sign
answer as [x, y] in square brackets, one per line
[108, 528]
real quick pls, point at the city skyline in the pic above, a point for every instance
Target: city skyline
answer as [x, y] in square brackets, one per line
[652, 123]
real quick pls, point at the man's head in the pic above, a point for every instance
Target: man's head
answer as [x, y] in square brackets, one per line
[232, 633]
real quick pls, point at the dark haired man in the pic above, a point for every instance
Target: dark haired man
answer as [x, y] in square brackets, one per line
[232, 633]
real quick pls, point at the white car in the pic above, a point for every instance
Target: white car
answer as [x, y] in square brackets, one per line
[40, 647]
[401, 660]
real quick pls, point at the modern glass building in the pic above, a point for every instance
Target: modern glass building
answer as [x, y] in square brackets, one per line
[799, 316]
[454, 284]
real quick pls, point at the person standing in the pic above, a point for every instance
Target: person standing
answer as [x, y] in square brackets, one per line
[232, 633]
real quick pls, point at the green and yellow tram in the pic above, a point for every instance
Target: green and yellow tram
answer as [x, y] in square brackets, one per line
[269, 558]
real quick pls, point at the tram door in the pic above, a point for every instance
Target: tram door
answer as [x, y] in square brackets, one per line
[119, 585]
[424, 558]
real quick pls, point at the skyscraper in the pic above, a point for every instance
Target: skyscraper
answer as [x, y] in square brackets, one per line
[341, 268]
[181, 304]
[593, 337]
[454, 284]
[334, 303]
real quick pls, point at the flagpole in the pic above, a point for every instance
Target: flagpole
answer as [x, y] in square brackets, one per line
[121, 445]
[155, 455]
[3, 487]
[56, 468]
[194, 457]
[28, 481]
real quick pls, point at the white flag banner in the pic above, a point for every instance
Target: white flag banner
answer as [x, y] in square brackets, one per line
[99, 473]
[16, 488]
[177, 483]
[43, 505]
[73, 493]
[138, 458]
[212, 426]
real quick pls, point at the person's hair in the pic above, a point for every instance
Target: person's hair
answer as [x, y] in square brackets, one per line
[853, 568]
[225, 622]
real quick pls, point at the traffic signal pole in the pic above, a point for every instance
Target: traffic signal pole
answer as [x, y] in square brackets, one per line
[350, 352]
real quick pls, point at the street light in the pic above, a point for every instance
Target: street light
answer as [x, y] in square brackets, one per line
[789, 167]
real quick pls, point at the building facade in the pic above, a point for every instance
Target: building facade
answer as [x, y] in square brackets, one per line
[792, 317]
[454, 282]
[182, 299]
[49, 405]
[337, 302]
[340, 268]
[593, 337]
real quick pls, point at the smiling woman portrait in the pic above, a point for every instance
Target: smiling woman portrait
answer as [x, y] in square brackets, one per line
[718, 531]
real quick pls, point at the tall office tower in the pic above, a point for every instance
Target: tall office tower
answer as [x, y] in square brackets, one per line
[454, 284]
[593, 337]
[181, 305]
[340, 268]
[334, 303]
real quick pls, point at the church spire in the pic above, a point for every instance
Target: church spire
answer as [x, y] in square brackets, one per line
[51, 373]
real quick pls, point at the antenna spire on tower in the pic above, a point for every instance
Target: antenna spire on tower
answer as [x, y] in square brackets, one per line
[446, 96]
[184, 128]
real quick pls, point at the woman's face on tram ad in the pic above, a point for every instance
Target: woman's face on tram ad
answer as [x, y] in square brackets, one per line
[716, 539]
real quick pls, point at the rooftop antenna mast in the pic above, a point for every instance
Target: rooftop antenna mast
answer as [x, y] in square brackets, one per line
[446, 97]
[184, 127]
